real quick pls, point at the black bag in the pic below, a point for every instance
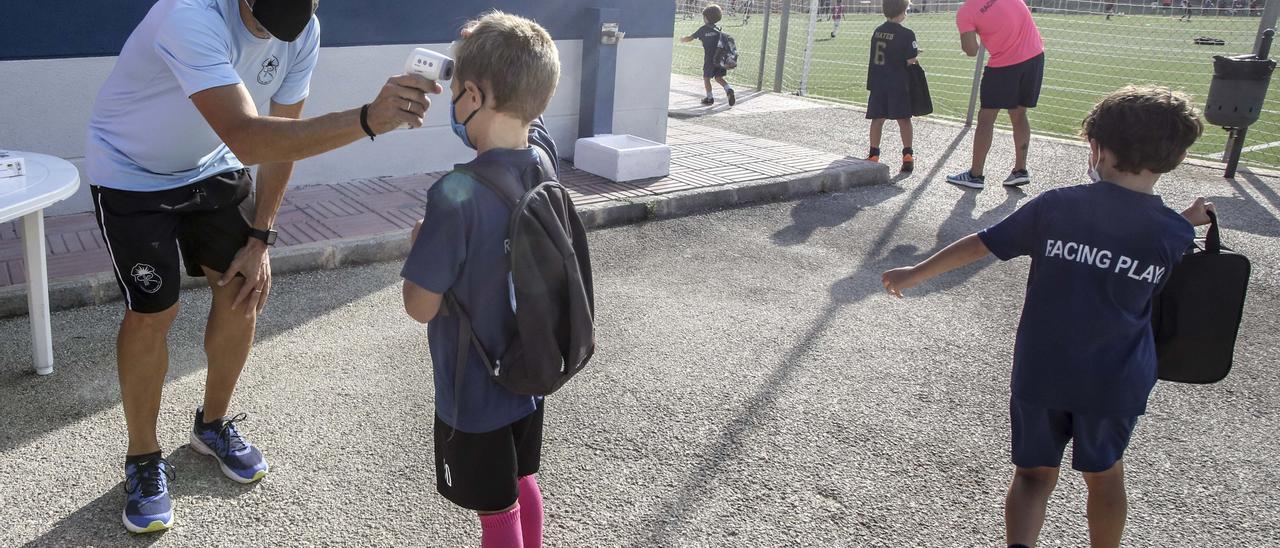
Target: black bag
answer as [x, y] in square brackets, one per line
[918, 87]
[726, 52]
[1196, 317]
[550, 285]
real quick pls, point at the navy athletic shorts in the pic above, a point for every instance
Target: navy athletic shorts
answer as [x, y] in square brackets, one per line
[1013, 86]
[1040, 436]
[481, 472]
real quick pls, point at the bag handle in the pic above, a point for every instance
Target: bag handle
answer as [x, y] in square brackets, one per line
[1213, 240]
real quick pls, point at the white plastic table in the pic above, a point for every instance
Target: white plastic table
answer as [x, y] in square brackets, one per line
[48, 181]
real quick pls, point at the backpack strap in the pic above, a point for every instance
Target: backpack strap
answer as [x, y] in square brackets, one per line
[466, 338]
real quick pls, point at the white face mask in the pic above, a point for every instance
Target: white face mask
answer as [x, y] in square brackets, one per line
[1093, 168]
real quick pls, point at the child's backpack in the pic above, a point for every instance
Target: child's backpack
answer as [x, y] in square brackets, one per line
[1196, 317]
[726, 52]
[549, 282]
[918, 88]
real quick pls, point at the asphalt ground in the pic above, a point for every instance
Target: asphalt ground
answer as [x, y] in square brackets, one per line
[753, 387]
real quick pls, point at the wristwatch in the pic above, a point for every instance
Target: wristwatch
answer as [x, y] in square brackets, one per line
[267, 236]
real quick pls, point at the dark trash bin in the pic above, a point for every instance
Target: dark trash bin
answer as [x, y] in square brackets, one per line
[1239, 87]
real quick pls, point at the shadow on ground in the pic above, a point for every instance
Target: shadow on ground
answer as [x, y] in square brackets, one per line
[85, 383]
[721, 455]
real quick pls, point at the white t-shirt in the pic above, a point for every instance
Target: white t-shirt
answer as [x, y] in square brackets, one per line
[145, 134]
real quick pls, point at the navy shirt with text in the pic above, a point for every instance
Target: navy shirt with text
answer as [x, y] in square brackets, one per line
[461, 248]
[709, 35]
[1099, 254]
[891, 46]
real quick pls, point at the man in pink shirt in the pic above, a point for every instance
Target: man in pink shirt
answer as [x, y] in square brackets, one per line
[1010, 82]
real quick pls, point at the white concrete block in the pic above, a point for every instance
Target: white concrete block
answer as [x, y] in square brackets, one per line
[621, 158]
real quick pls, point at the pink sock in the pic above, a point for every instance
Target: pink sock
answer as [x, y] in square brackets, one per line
[531, 511]
[501, 530]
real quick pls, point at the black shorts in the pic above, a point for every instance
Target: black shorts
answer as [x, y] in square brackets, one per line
[147, 233]
[481, 471]
[885, 104]
[1013, 86]
[709, 70]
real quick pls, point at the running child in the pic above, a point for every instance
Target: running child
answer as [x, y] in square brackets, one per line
[709, 34]
[488, 440]
[1084, 362]
[893, 47]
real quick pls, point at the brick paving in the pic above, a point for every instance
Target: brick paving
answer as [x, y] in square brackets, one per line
[701, 157]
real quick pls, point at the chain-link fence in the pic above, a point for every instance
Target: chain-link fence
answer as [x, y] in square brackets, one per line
[1091, 48]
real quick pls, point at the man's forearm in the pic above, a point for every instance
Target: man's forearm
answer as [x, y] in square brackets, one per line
[273, 178]
[270, 139]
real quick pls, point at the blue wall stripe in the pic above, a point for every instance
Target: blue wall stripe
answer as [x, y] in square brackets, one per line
[50, 29]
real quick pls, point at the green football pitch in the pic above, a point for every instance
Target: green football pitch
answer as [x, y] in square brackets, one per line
[1087, 56]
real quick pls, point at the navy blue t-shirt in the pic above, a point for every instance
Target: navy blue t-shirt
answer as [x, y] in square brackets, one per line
[891, 46]
[461, 248]
[1099, 253]
[710, 37]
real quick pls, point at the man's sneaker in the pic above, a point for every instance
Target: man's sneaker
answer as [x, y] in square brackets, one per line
[147, 506]
[873, 158]
[1019, 177]
[908, 163]
[733, 97]
[708, 101]
[238, 459]
[967, 179]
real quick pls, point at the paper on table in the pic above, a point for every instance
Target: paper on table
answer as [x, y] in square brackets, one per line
[11, 165]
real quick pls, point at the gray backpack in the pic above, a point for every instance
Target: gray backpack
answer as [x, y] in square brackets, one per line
[549, 280]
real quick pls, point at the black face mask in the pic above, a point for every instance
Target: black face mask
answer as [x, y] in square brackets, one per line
[284, 19]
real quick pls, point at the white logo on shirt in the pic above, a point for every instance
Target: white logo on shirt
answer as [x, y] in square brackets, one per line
[269, 68]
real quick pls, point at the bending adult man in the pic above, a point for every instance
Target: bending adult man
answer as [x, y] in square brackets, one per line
[172, 129]
[1011, 80]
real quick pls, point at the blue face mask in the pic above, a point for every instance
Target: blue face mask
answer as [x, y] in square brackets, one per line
[460, 128]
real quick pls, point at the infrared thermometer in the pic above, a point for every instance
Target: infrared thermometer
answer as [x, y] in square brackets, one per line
[428, 64]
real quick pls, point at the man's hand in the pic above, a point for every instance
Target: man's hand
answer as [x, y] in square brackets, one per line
[1198, 213]
[254, 263]
[403, 100]
[417, 228]
[899, 279]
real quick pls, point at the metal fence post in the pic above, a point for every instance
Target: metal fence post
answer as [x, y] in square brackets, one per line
[977, 81]
[782, 45]
[764, 44]
[808, 49]
[1269, 12]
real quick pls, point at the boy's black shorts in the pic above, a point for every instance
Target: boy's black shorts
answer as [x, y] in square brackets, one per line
[712, 71]
[204, 223]
[885, 104]
[481, 471]
[1013, 86]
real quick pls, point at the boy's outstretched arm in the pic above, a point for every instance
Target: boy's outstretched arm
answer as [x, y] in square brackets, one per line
[959, 254]
[686, 39]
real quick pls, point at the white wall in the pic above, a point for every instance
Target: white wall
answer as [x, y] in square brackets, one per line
[45, 107]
